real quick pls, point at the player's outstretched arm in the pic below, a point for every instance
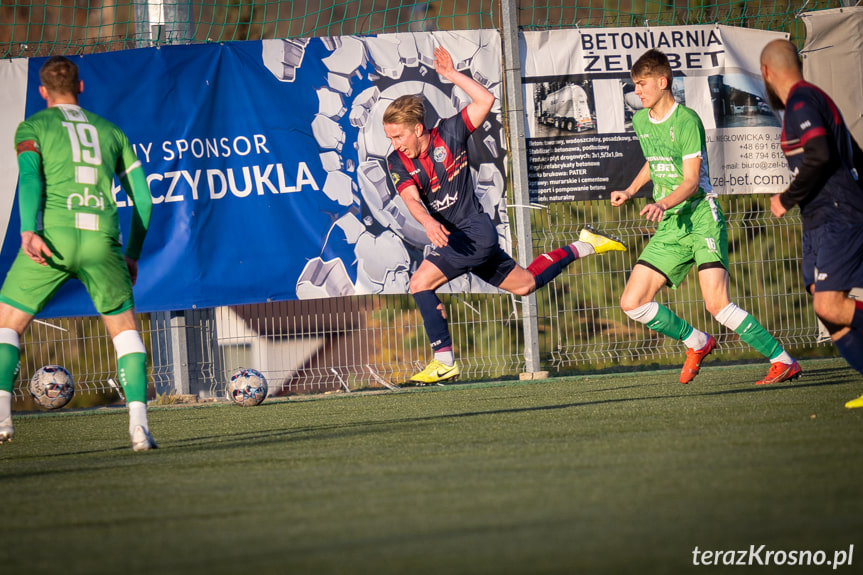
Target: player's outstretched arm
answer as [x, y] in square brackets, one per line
[686, 189]
[436, 232]
[481, 99]
[619, 197]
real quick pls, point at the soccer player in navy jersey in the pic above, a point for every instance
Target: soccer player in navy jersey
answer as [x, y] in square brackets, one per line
[430, 171]
[825, 164]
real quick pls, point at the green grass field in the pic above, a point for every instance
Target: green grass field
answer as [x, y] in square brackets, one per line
[622, 473]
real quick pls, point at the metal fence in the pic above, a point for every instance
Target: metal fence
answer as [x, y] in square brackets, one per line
[320, 345]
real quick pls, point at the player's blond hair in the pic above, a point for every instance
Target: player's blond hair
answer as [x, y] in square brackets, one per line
[407, 110]
[652, 64]
[59, 75]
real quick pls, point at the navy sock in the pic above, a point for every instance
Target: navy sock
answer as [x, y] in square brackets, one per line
[549, 265]
[435, 323]
[850, 346]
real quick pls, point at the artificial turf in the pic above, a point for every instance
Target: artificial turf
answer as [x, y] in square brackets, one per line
[623, 473]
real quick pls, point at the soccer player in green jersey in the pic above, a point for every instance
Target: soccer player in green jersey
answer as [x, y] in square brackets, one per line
[67, 159]
[691, 227]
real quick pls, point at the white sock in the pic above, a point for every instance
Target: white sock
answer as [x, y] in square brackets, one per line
[5, 405]
[445, 357]
[582, 248]
[644, 313]
[696, 340]
[137, 415]
[731, 316]
[783, 358]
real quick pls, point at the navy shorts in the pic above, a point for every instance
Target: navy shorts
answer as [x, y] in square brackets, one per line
[835, 250]
[474, 248]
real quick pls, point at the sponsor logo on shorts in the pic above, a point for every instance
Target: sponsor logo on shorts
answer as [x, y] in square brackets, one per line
[821, 277]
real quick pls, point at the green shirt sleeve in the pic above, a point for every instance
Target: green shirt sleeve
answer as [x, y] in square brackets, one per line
[134, 181]
[691, 137]
[30, 185]
[135, 184]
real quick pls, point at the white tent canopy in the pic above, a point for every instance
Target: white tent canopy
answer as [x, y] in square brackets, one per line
[833, 60]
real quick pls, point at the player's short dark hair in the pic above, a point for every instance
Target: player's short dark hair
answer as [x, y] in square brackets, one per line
[408, 110]
[59, 75]
[652, 64]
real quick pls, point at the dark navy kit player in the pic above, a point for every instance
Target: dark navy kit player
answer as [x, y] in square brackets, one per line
[430, 171]
[826, 165]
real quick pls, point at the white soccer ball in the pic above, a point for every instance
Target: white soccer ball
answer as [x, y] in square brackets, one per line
[247, 387]
[52, 386]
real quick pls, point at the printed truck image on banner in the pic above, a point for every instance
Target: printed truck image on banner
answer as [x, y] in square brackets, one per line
[580, 99]
[266, 162]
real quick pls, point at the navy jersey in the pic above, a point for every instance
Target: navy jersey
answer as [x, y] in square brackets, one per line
[823, 157]
[441, 173]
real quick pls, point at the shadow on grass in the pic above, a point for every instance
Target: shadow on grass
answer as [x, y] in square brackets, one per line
[822, 377]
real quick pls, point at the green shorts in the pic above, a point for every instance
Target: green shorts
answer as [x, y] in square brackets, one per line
[93, 257]
[682, 240]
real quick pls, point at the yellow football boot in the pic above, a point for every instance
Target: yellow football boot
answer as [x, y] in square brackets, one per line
[436, 372]
[600, 241]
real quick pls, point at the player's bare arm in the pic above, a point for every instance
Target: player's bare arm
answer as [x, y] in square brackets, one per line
[481, 99]
[436, 232]
[618, 197]
[35, 248]
[686, 189]
[776, 207]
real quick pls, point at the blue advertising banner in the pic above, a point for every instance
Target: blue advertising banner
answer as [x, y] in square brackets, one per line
[266, 163]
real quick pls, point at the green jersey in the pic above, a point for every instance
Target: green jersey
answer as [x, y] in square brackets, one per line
[666, 144]
[78, 154]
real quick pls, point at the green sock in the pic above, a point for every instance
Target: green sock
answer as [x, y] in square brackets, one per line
[668, 323]
[133, 376]
[759, 338]
[9, 365]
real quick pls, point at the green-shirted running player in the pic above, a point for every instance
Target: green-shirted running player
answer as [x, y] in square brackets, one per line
[691, 227]
[67, 159]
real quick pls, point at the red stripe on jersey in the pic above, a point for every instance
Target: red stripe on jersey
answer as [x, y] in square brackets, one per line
[837, 115]
[812, 133]
[409, 166]
[27, 146]
[428, 164]
[466, 118]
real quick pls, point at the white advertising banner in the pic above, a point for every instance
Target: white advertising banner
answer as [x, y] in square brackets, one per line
[580, 99]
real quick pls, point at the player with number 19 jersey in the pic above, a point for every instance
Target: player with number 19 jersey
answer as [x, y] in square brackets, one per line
[67, 160]
[80, 152]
